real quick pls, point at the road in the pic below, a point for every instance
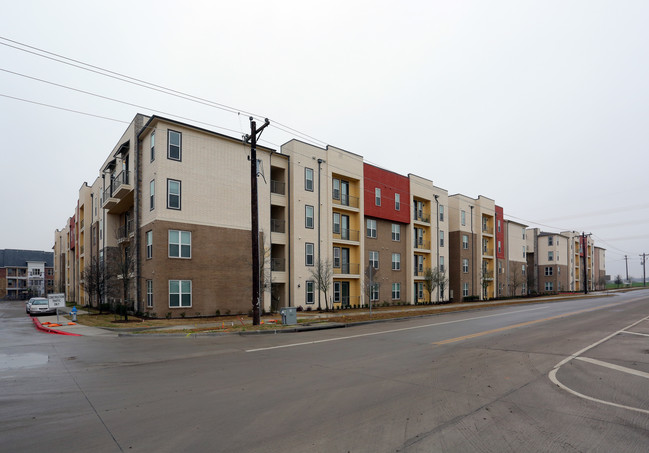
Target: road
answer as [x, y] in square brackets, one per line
[561, 376]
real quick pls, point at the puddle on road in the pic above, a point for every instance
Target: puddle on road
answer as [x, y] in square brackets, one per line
[30, 360]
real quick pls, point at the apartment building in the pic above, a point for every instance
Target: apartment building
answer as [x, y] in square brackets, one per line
[472, 254]
[514, 270]
[26, 273]
[582, 259]
[171, 210]
[169, 214]
[600, 268]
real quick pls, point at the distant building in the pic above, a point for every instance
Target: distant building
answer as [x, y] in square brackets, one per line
[25, 273]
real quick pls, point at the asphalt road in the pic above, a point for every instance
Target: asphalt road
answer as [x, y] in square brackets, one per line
[563, 376]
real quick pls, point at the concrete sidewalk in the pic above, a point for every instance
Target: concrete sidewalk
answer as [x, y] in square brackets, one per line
[42, 323]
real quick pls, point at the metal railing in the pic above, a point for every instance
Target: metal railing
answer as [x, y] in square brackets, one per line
[125, 230]
[277, 264]
[277, 226]
[347, 200]
[422, 244]
[348, 269]
[277, 187]
[421, 216]
[346, 234]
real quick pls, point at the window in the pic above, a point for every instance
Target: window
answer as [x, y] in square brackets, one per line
[152, 195]
[465, 241]
[371, 228]
[463, 217]
[499, 226]
[523, 232]
[485, 246]
[550, 256]
[441, 238]
[523, 290]
[396, 232]
[548, 271]
[374, 292]
[310, 293]
[419, 290]
[336, 223]
[149, 244]
[441, 264]
[549, 240]
[441, 213]
[484, 224]
[524, 252]
[396, 291]
[149, 293]
[336, 263]
[180, 293]
[336, 292]
[523, 269]
[419, 264]
[465, 289]
[500, 267]
[499, 247]
[174, 145]
[397, 202]
[308, 252]
[396, 261]
[308, 216]
[335, 189]
[152, 145]
[50, 272]
[465, 266]
[374, 259]
[308, 179]
[377, 196]
[173, 194]
[180, 244]
[549, 286]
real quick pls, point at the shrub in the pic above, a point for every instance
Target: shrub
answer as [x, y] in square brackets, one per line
[168, 315]
[218, 312]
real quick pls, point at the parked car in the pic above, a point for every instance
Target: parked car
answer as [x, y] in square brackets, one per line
[40, 306]
[29, 303]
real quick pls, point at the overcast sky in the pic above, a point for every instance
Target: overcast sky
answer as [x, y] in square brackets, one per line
[540, 105]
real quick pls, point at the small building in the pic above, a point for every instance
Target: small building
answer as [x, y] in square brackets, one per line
[26, 273]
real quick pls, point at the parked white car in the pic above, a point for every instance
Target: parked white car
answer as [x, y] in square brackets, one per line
[40, 306]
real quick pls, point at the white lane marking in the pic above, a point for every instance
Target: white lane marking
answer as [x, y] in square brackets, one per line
[636, 333]
[553, 378]
[614, 367]
[553, 373]
[597, 343]
[394, 330]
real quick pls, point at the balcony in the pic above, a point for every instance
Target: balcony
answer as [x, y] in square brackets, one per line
[422, 244]
[346, 200]
[278, 264]
[277, 226]
[348, 269]
[346, 235]
[277, 187]
[420, 216]
[487, 251]
[419, 271]
[125, 232]
[118, 196]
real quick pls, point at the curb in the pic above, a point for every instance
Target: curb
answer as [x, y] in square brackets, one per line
[42, 328]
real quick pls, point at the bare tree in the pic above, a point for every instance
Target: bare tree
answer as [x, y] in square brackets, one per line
[531, 281]
[601, 283]
[123, 265]
[486, 277]
[96, 279]
[370, 283]
[431, 281]
[322, 274]
[442, 283]
[516, 279]
[618, 280]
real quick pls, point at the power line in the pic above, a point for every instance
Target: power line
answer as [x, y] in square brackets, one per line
[63, 108]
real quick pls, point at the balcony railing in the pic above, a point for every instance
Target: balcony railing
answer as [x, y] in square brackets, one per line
[122, 178]
[422, 244]
[277, 264]
[419, 272]
[347, 200]
[124, 231]
[421, 216]
[277, 226]
[348, 269]
[347, 235]
[487, 251]
[277, 187]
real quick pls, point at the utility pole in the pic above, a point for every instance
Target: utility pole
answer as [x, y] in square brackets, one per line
[644, 274]
[626, 260]
[584, 248]
[254, 216]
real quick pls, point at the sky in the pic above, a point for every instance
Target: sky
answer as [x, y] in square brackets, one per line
[542, 106]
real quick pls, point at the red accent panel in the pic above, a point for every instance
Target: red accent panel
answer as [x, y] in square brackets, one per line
[390, 184]
[500, 235]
